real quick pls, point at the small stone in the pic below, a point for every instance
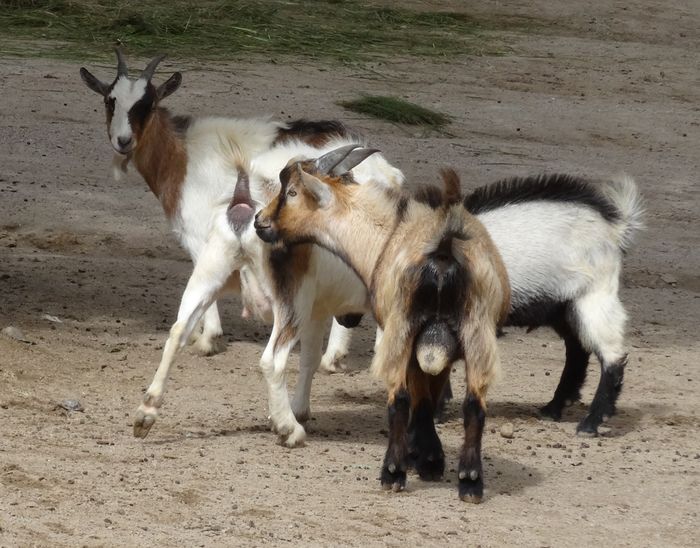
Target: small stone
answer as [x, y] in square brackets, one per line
[669, 279]
[507, 430]
[71, 405]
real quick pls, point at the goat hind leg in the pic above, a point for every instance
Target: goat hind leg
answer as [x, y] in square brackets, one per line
[425, 448]
[337, 349]
[602, 322]
[481, 365]
[209, 342]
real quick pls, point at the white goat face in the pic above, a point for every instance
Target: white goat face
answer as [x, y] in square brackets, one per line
[122, 108]
[129, 103]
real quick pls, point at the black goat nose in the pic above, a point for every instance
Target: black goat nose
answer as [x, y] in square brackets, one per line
[124, 141]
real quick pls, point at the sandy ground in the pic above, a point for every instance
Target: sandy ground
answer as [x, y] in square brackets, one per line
[597, 90]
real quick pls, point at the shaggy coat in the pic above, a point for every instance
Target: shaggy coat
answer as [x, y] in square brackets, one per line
[425, 269]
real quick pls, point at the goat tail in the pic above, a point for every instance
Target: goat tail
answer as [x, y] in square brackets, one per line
[624, 194]
[436, 347]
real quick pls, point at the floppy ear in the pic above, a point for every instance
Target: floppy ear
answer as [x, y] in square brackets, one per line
[321, 192]
[169, 86]
[93, 83]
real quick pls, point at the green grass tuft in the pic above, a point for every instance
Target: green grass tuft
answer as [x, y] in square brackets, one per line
[396, 110]
[342, 30]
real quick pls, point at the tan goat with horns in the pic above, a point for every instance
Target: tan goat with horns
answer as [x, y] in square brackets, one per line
[437, 286]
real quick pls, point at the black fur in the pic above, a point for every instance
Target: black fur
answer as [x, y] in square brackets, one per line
[312, 131]
[574, 375]
[470, 460]
[555, 187]
[603, 405]
[401, 207]
[425, 448]
[396, 457]
[442, 286]
[537, 313]
[430, 195]
[182, 123]
[349, 320]
[142, 108]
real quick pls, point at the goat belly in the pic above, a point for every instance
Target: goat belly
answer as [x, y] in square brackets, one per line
[239, 216]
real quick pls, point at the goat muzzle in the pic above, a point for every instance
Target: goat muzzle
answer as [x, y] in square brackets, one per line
[265, 230]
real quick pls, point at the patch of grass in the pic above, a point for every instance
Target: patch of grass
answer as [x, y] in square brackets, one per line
[396, 110]
[223, 29]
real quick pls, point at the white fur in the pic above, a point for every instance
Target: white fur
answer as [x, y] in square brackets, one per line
[329, 288]
[125, 93]
[217, 149]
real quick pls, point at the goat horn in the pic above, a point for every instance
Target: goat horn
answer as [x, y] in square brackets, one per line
[151, 68]
[351, 160]
[331, 159]
[121, 63]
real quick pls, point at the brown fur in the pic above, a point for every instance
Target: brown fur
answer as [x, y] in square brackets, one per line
[388, 239]
[161, 159]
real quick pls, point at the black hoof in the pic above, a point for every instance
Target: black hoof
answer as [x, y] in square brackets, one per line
[393, 480]
[471, 485]
[551, 411]
[588, 426]
[431, 466]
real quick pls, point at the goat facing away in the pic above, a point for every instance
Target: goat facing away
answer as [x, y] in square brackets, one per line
[437, 288]
[197, 168]
[562, 239]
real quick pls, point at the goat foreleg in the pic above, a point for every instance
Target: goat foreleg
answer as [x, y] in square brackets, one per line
[311, 347]
[274, 366]
[212, 276]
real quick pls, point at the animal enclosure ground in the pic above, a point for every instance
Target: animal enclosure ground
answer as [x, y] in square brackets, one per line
[591, 90]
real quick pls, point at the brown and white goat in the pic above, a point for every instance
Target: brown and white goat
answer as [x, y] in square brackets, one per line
[437, 288]
[197, 168]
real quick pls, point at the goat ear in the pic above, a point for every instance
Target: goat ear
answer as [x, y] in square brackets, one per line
[356, 157]
[321, 192]
[92, 82]
[169, 86]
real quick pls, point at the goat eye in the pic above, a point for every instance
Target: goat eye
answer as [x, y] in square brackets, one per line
[291, 192]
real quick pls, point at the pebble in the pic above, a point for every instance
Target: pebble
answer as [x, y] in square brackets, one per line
[15, 333]
[669, 279]
[71, 405]
[507, 430]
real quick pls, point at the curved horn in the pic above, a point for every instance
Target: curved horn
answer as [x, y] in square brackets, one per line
[355, 157]
[121, 63]
[151, 67]
[328, 161]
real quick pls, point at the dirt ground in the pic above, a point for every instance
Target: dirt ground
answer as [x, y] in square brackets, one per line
[596, 90]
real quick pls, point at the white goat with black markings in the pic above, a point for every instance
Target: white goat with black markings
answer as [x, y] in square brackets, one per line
[197, 168]
[436, 286]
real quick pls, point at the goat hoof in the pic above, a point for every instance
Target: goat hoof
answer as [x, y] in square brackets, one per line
[145, 418]
[393, 481]
[470, 490]
[295, 438]
[430, 467]
[588, 427]
[332, 366]
[208, 346]
[551, 411]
